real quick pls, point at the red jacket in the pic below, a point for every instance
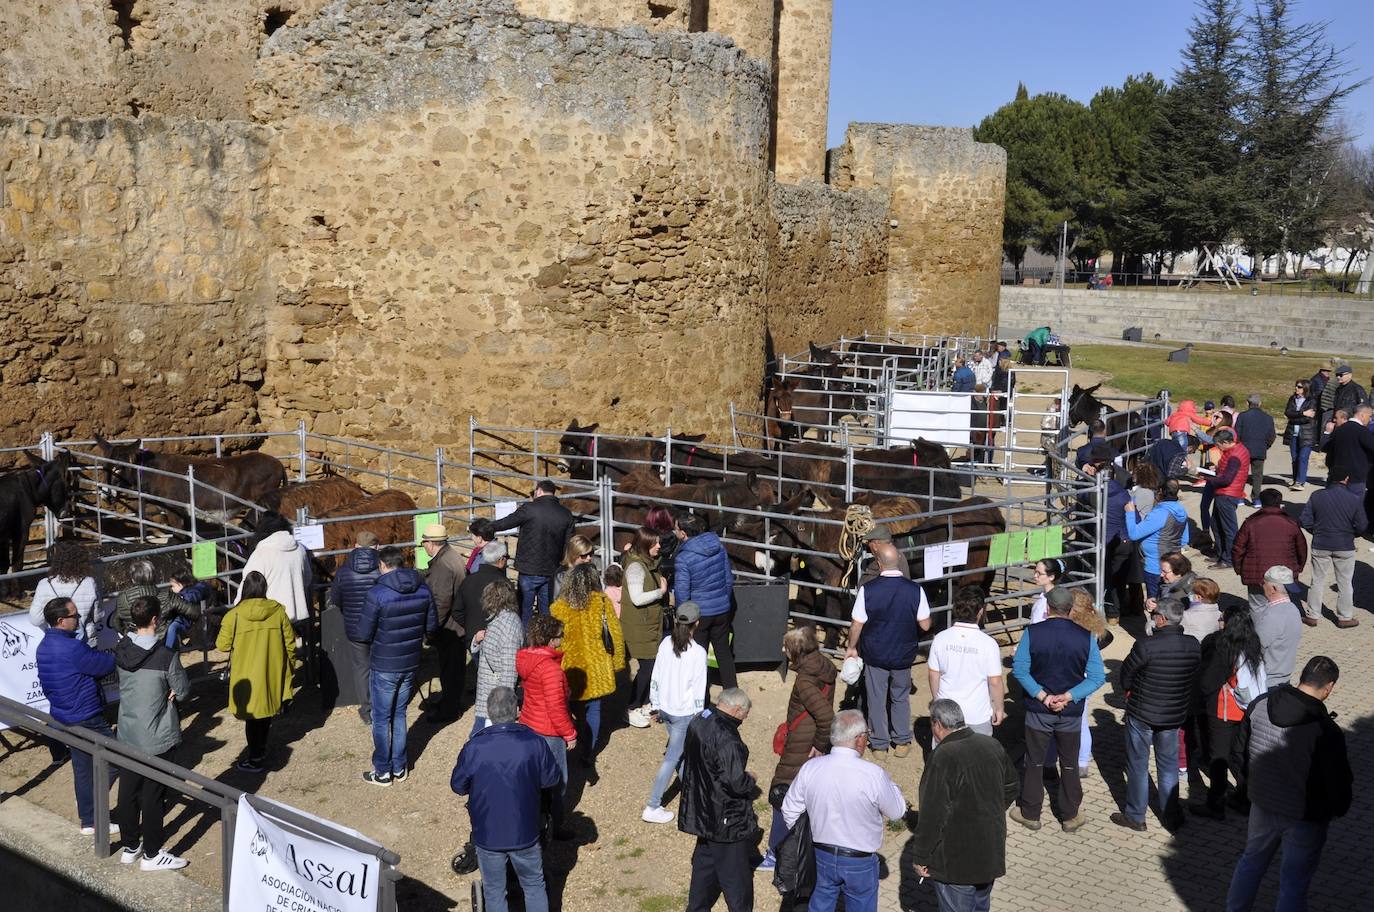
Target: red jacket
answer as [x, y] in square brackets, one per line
[546, 692]
[1267, 539]
[1236, 488]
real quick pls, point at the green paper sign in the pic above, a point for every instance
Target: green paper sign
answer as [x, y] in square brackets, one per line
[997, 550]
[1016, 547]
[421, 555]
[1035, 545]
[1054, 541]
[204, 560]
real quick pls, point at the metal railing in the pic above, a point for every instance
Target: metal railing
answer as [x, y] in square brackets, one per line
[1318, 285]
[109, 752]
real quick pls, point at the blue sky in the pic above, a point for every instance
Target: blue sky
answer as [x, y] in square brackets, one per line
[952, 63]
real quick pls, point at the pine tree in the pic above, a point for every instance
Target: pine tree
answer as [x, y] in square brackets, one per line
[1124, 118]
[1190, 190]
[1021, 93]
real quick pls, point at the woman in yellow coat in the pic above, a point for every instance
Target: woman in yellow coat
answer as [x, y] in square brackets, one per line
[588, 620]
[257, 635]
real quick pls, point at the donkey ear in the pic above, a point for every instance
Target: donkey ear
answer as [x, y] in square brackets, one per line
[591, 427]
[35, 461]
[572, 426]
[751, 480]
[1094, 388]
[102, 443]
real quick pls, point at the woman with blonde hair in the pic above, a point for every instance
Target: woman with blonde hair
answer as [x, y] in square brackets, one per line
[579, 550]
[593, 647]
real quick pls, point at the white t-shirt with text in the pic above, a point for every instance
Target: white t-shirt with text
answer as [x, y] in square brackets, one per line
[966, 657]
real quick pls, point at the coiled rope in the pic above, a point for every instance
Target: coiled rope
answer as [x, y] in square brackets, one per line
[858, 522]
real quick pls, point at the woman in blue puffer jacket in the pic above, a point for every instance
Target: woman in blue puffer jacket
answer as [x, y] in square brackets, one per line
[1164, 530]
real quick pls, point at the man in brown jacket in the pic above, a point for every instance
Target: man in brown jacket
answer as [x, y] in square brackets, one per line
[445, 575]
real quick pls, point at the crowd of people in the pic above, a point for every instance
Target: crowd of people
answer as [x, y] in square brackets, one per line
[1213, 689]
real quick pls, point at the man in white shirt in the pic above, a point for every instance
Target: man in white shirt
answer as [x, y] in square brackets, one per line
[846, 799]
[965, 665]
[885, 629]
[982, 369]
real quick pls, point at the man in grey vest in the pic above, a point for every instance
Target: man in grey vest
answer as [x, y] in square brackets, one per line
[1293, 758]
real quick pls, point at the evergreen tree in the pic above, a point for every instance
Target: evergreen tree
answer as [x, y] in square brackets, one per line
[1124, 118]
[1295, 81]
[1021, 93]
[1190, 190]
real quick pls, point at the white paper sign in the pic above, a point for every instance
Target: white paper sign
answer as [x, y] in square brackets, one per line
[950, 554]
[309, 536]
[503, 508]
[938, 417]
[278, 870]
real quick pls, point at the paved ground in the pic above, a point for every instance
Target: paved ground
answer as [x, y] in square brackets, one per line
[622, 863]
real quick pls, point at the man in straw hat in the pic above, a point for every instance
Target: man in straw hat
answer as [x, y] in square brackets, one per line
[445, 575]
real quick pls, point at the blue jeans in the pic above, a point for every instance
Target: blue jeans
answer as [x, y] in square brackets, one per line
[174, 631]
[1139, 737]
[82, 781]
[1302, 842]
[1300, 454]
[964, 897]
[590, 712]
[1224, 515]
[855, 878]
[1151, 583]
[391, 692]
[531, 588]
[677, 737]
[529, 868]
[1181, 438]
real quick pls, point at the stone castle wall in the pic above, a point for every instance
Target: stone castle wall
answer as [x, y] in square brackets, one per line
[827, 264]
[567, 223]
[803, 90]
[133, 275]
[948, 195]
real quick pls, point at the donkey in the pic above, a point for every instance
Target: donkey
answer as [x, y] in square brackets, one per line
[249, 476]
[586, 457]
[22, 492]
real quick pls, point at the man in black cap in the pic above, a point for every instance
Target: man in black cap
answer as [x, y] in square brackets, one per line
[1348, 395]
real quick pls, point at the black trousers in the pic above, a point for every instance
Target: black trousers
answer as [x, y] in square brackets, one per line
[452, 665]
[256, 731]
[1066, 734]
[139, 809]
[715, 630]
[360, 655]
[639, 687]
[721, 867]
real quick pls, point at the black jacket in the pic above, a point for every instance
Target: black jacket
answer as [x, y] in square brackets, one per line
[470, 594]
[966, 788]
[545, 526]
[1293, 757]
[1349, 449]
[1158, 677]
[1346, 397]
[1255, 429]
[1306, 430]
[717, 794]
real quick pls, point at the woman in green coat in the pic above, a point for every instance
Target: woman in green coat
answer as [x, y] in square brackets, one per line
[257, 635]
[641, 617]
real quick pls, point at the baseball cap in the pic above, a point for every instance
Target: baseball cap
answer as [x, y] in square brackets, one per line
[1279, 575]
[1059, 598]
[1209, 405]
[688, 613]
[1343, 369]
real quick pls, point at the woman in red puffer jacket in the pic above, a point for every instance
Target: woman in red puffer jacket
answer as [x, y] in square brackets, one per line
[545, 708]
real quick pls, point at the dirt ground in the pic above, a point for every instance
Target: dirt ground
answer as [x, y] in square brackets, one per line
[318, 756]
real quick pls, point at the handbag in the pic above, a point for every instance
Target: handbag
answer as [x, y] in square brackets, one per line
[786, 728]
[606, 641]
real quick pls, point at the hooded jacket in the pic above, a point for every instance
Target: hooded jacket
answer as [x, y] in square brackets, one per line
[351, 584]
[1293, 757]
[257, 635]
[702, 574]
[812, 708]
[150, 675]
[398, 613]
[1266, 539]
[70, 672]
[1158, 677]
[717, 793]
[545, 708]
[1184, 418]
[286, 564]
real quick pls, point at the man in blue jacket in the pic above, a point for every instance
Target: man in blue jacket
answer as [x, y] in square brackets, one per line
[398, 613]
[1255, 429]
[503, 770]
[702, 574]
[885, 630]
[351, 584]
[70, 672]
[1058, 666]
[963, 379]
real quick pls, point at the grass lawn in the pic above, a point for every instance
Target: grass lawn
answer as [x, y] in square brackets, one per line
[1212, 372]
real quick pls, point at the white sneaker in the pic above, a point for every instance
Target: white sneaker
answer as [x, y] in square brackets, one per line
[639, 717]
[90, 830]
[656, 815]
[129, 856]
[164, 861]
